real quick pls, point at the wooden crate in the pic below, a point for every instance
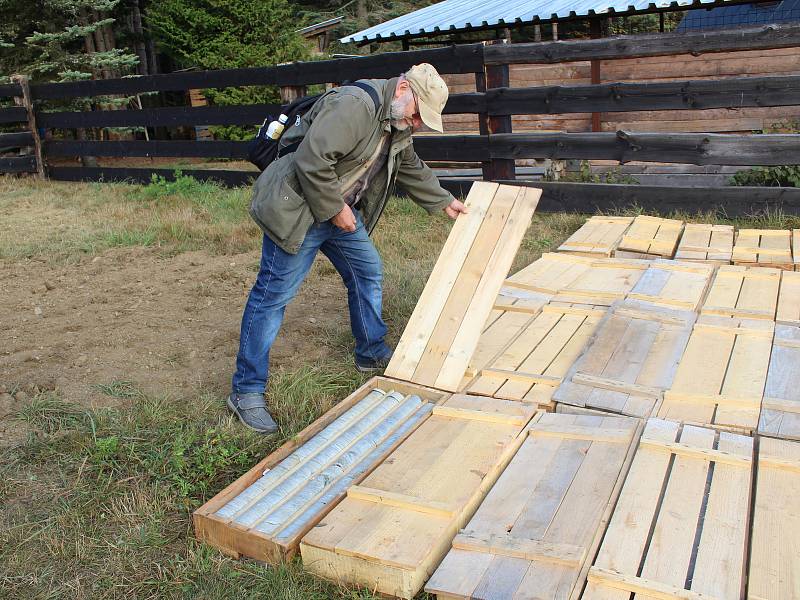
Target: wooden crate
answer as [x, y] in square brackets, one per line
[679, 529]
[650, 237]
[630, 360]
[764, 247]
[237, 540]
[706, 243]
[514, 309]
[551, 273]
[774, 562]
[604, 282]
[739, 291]
[673, 284]
[391, 532]
[789, 299]
[780, 409]
[444, 328]
[533, 363]
[598, 236]
[535, 534]
[721, 377]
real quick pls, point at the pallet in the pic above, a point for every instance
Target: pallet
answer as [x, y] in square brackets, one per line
[721, 377]
[764, 247]
[604, 282]
[536, 532]
[740, 291]
[650, 237]
[532, 365]
[774, 563]
[706, 243]
[679, 529]
[513, 310]
[550, 274]
[598, 236]
[444, 328]
[630, 360]
[780, 409]
[788, 311]
[282, 542]
[673, 284]
[393, 529]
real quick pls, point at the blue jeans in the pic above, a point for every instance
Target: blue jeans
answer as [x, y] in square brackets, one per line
[355, 258]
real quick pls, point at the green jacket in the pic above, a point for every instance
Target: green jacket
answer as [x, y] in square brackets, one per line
[339, 133]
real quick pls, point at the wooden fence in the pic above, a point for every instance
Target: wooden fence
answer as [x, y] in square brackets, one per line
[496, 147]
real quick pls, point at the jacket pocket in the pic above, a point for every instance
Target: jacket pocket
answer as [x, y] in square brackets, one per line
[278, 207]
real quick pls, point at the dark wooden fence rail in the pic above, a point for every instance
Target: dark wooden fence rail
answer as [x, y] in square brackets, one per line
[497, 146]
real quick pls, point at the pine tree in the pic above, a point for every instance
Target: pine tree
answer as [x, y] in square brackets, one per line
[83, 48]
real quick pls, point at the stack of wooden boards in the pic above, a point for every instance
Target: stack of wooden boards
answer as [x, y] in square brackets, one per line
[616, 428]
[656, 237]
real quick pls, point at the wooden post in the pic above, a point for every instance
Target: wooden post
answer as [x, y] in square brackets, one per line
[555, 31]
[594, 33]
[497, 76]
[537, 33]
[27, 102]
[290, 93]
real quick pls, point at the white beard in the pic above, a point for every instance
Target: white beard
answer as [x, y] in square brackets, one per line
[397, 111]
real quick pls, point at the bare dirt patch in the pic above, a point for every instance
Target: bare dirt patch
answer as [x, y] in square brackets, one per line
[169, 324]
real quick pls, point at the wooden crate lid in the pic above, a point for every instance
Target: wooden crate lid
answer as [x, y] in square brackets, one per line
[444, 328]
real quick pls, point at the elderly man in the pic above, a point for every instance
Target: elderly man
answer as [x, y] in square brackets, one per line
[327, 195]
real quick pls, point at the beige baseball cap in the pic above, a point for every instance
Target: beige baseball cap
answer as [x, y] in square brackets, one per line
[431, 92]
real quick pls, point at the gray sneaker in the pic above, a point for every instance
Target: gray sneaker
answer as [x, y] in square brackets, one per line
[371, 366]
[252, 411]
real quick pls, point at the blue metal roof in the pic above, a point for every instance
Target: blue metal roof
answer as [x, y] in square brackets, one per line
[462, 15]
[741, 14]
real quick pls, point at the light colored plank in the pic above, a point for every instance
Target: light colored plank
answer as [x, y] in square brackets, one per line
[651, 237]
[630, 360]
[789, 298]
[673, 284]
[706, 243]
[780, 411]
[743, 291]
[392, 549]
[366, 494]
[442, 279]
[543, 519]
[551, 273]
[598, 236]
[768, 247]
[774, 567]
[641, 586]
[605, 282]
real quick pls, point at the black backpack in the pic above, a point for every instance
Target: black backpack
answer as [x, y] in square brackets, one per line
[264, 150]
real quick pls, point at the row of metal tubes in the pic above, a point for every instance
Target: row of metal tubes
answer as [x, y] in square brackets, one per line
[343, 467]
[310, 511]
[316, 444]
[284, 492]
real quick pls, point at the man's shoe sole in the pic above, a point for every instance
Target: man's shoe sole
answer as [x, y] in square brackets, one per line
[245, 423]
[368, 369]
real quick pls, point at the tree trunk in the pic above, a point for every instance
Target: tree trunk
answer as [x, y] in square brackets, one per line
[361, 9]
[139, 37]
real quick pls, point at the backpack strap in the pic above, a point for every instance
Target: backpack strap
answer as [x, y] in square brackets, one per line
[370, 90]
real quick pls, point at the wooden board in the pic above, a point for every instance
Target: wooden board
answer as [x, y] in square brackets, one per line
[531, 366]
[780, 409]
[598, 236]
[444, 328]
[650, 237]
[721, 377]
[764, 247]
[551, 273]
[775, 546]
[630, 360]
[604, 282]
[796, 249]
[706, 243]
[789, 299]
[673, 284]
[679, 529]
[393, 530]
[237, 540]
[536, 532]
[742, 291]
[514, 308]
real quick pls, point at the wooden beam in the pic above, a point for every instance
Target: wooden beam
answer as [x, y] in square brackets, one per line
[15, 114]
[18, 164]
[638, 46]
[17, 139]
[9, 90]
